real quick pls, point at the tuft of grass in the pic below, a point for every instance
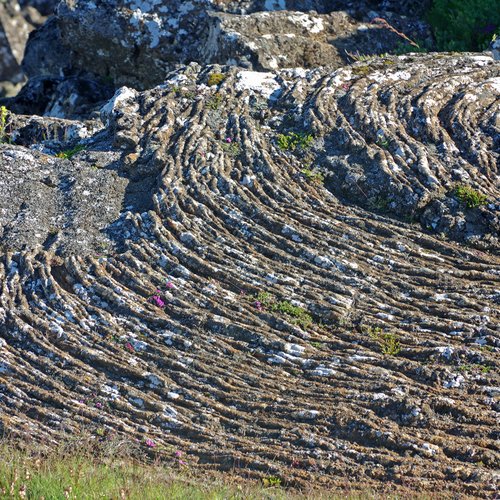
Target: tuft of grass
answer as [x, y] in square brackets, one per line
[215, 101]
[469, 196]
[387, 341]
[294, 140]
[215, 79]
[231, 148]
[313, 176]
[69, 153]
[298, 315]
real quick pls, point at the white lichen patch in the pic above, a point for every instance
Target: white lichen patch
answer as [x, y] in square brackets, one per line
[262, 83]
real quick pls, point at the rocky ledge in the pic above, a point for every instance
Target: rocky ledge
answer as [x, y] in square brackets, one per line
[293, 272]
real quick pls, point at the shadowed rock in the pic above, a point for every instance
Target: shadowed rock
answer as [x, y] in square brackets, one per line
[142, 41]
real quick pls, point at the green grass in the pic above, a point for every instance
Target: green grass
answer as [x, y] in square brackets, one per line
[461, 25]
[313, 176]
[69, 153]
[388, 342]
[470, 197]
[81, 468]
[297, 314]
[293, 141]
[83, 475]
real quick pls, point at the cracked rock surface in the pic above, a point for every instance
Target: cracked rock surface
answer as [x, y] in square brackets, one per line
[272, 273]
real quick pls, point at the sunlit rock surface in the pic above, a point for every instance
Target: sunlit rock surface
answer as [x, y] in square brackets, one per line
[317, 308]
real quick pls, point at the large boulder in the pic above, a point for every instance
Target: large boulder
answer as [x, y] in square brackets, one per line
[140, 42]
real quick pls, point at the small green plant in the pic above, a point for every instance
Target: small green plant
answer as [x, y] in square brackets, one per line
[460, 25]
[380, 203]
[186, 93]
[294, 140]
[231, 148]
[265, 298]
[266, 301]
[388, 342]
[215, 101]
[317, 345]
[382, 142]
[313, 176]
[469, 196]
[300, 315]
[271, 482]
[4, 116]
[69, 153]
[215, 79]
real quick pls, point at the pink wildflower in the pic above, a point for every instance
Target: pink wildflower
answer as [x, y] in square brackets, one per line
[157, 301]
[178, 453]
[150, 443]
[258, 305]
[229, 140]
[169, 284]
[98, 405]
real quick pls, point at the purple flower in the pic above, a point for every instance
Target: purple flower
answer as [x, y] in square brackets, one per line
[178, 453]
[98, 405]
[157, 301]
[150, 443]
[169, 284]
[258, 305]
[229, 140]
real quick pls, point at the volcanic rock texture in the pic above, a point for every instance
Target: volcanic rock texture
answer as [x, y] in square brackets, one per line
[273, 273]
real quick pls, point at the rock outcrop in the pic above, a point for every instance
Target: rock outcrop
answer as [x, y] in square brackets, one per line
[142, 41]
[281, 262]
[16, 23]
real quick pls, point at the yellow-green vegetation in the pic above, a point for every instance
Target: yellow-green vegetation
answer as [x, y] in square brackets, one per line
[469, 196]
[215, 79]
[294, 140]
[69, 153]
[4, 116]
[271, 481]
[387, 341]
[313, 176]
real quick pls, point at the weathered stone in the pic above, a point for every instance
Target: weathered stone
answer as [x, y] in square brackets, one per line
[277, 261]
[141, 42]
[15, 25]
